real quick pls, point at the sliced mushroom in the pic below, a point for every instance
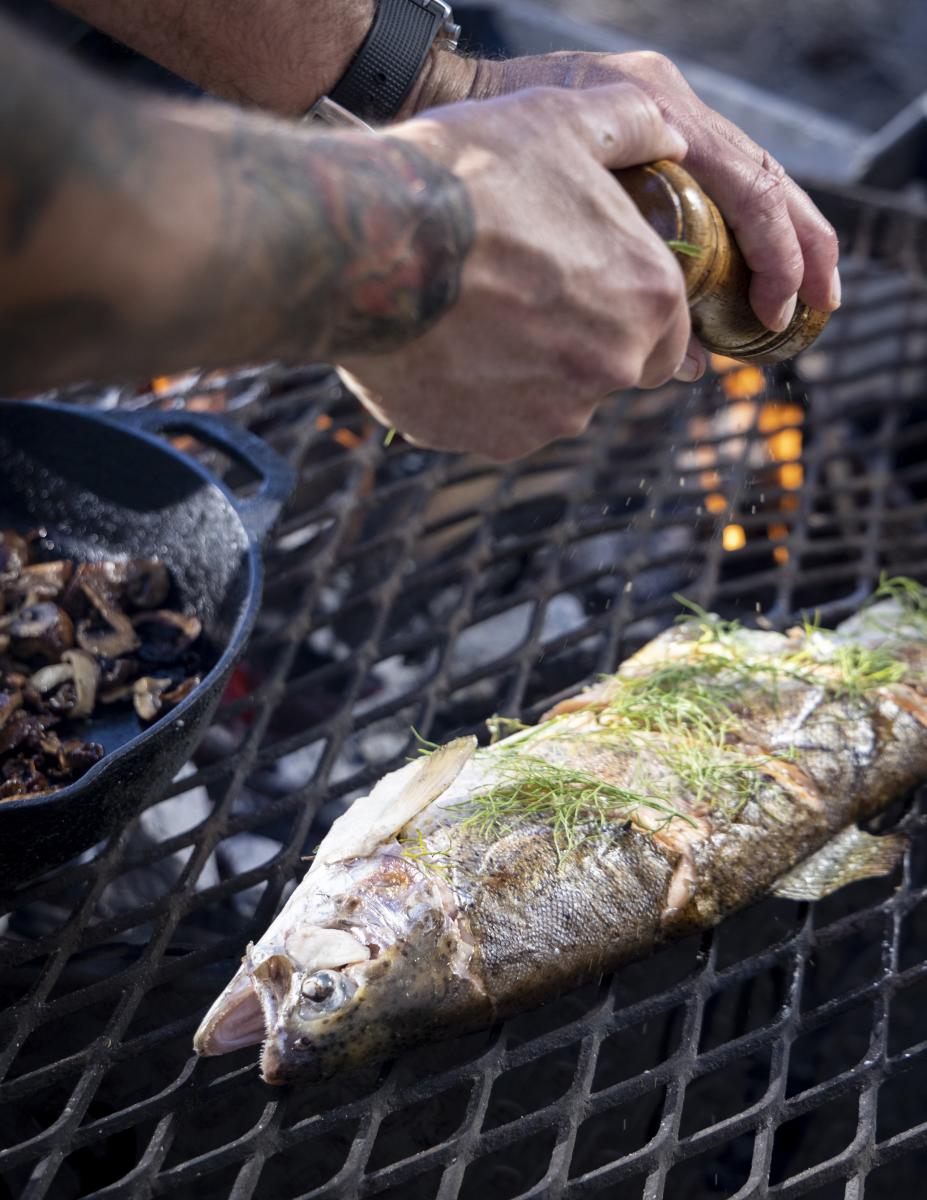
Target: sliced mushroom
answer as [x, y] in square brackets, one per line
[22, 682]
[18, 729]
[117, 671]
[10, 701]
[116, 679]
[137, 582]
[154, 696]
[41, 630]
[86, 675]
[107, 579]
[77, 756]
[165, 635]
[72, 683]
[181, 691]
[44, 581]
[14, 555]
[111, 634]
[148, 696]
[48, 678]
[147, 583]
[8, 792]
[21, 776]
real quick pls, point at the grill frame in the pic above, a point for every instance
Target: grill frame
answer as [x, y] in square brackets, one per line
[481, 556]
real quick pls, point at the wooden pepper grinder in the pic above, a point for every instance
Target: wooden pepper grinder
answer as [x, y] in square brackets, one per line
[717, 278]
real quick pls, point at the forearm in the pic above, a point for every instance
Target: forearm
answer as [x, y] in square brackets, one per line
[138, 238]
[276, 54]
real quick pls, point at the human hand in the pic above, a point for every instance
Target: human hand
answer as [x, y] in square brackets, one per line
[567, 294]
[789, 246]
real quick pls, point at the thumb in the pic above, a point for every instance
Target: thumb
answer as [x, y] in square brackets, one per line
[623, 127]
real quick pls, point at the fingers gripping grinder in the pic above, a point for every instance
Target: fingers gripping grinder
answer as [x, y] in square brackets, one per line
[717, 277]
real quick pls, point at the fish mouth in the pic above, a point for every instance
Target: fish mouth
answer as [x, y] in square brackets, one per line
[234, 1021]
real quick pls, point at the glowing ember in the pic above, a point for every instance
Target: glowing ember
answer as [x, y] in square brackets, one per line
[778, 533]
[786, 445]
[733, 537]
[774, 416]
[710, 480]
[715, 502]
[743, 383]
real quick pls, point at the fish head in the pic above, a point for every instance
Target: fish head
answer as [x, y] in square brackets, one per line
[316, 1013]
[414, 983]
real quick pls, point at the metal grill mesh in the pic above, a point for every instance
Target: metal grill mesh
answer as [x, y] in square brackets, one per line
[784, 1054]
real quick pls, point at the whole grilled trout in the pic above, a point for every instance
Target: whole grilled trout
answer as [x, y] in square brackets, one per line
[717, 765]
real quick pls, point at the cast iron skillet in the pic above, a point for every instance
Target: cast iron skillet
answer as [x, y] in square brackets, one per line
[106, 487]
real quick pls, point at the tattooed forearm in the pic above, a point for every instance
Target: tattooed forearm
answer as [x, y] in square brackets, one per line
[138, 238]
[389, 229]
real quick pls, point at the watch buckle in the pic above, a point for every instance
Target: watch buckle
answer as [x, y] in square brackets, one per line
[328, 112]
[449, 31]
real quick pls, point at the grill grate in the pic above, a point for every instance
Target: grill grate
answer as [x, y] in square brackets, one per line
[785, 1054]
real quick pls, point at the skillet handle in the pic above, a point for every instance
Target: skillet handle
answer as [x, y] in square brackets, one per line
[277, 479]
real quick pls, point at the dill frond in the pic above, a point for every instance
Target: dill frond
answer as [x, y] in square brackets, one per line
[417, 851]
[911, 595]
[850, 672]
[503, 727]
[861, 669]
[688, 694]
[572, 803]
[716, 773]
[713, 628]
[423, 745]
[687, 248]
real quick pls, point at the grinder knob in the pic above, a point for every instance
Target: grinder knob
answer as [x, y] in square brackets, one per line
[717, 278]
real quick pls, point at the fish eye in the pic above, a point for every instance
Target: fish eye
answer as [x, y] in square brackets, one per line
[318, 987]
[323, 992]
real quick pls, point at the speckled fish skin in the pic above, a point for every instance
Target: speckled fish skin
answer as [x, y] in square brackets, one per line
[506, 923]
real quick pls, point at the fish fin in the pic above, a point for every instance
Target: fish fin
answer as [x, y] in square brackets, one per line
[396, 799]
[849, 856]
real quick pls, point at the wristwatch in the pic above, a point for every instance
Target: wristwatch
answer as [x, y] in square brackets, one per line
[382, 72]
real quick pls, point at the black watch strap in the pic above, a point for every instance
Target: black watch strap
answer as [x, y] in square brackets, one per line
[389, 61]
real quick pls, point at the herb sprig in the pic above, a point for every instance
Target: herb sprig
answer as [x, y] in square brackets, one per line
[575, 804]
[686, 248]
